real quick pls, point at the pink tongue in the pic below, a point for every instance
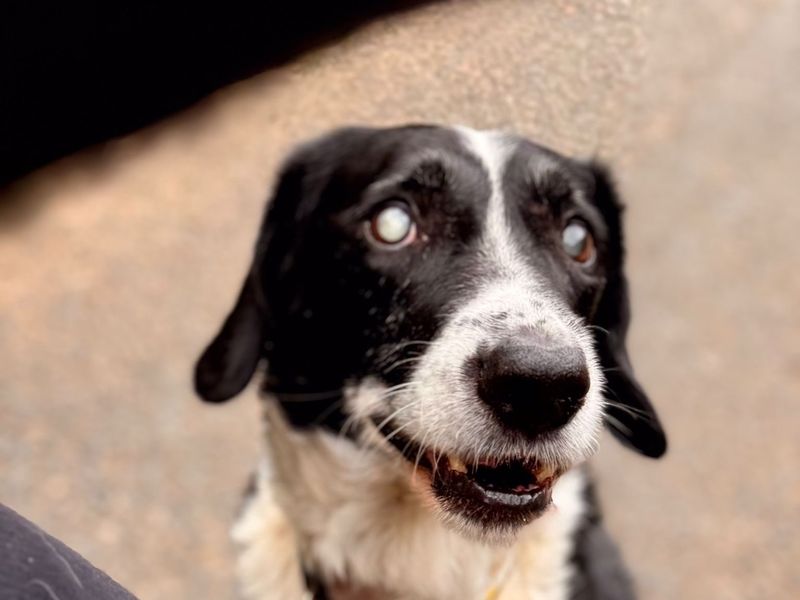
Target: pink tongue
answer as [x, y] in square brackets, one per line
[521, 489]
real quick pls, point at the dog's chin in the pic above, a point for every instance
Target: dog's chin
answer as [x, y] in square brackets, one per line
[489, 500]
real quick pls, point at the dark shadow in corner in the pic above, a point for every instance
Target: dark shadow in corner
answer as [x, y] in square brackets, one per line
[72, 76]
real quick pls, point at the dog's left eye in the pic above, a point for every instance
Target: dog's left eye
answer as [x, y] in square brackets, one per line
[393, 225]
[578, 242]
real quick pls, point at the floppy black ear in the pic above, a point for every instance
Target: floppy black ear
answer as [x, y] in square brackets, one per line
[230, 360]
[629, 414]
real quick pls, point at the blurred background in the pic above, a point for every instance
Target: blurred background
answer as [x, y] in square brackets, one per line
[119, 261]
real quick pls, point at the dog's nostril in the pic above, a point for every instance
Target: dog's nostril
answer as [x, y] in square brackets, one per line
[532, 384]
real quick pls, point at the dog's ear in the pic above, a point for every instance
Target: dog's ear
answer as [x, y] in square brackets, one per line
[629, 413]
[230, 360]
[228, 363]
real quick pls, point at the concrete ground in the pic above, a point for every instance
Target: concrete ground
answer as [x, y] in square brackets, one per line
[129, 256]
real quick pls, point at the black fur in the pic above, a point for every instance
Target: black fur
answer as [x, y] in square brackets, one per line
[598, 570]
[633, 419]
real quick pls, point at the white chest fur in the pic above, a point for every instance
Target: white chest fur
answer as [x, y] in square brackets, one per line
[351, 517]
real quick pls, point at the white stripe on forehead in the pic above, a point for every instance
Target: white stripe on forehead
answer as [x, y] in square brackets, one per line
[493, 149]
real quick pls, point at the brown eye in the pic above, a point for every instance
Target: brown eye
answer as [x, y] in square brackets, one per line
[578, 242]
[393, 226]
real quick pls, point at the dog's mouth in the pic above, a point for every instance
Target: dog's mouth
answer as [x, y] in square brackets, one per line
[490, 492]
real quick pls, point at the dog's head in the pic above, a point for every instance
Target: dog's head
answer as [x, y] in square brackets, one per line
[457, 295]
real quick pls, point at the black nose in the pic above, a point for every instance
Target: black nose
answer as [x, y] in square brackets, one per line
[532, 383]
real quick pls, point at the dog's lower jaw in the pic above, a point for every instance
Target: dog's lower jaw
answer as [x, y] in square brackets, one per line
[324, 506]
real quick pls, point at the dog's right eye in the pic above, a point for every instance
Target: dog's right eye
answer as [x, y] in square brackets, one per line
[392, 226]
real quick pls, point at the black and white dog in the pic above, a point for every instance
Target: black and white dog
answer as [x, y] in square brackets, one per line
[441, 314]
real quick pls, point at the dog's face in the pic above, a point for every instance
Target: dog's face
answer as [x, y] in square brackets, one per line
[457, 295]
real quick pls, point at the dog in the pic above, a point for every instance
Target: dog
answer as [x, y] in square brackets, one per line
[440, 317]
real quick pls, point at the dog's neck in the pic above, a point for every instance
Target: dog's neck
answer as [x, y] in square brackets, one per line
[351, 518]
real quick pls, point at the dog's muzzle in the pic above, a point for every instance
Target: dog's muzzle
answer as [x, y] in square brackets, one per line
[533, 385]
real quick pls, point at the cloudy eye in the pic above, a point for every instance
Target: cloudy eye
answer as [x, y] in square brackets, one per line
[393, 226]
[578, 242]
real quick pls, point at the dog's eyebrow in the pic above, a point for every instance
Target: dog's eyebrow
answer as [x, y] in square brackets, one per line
[553, 182]
[552, 185]
[429, 175]
[423, 176]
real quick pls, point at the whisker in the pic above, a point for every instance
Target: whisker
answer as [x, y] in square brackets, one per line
[617, 424]
[349, 422]
[364, 414]
[400, 386]
[436, 459]
[394, 414]
[631, 410]
[396, 431]
[404, 361]
[328, 411]
[407, 343]
[392, 350]
[419, 453]
[598, 328]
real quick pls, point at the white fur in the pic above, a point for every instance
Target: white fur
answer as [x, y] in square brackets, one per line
[269, 560]
[493, 149]
[356, 518]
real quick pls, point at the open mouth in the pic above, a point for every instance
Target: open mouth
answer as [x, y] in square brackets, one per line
[494, 493]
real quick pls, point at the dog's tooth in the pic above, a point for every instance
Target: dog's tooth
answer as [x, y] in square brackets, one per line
[456, 464]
